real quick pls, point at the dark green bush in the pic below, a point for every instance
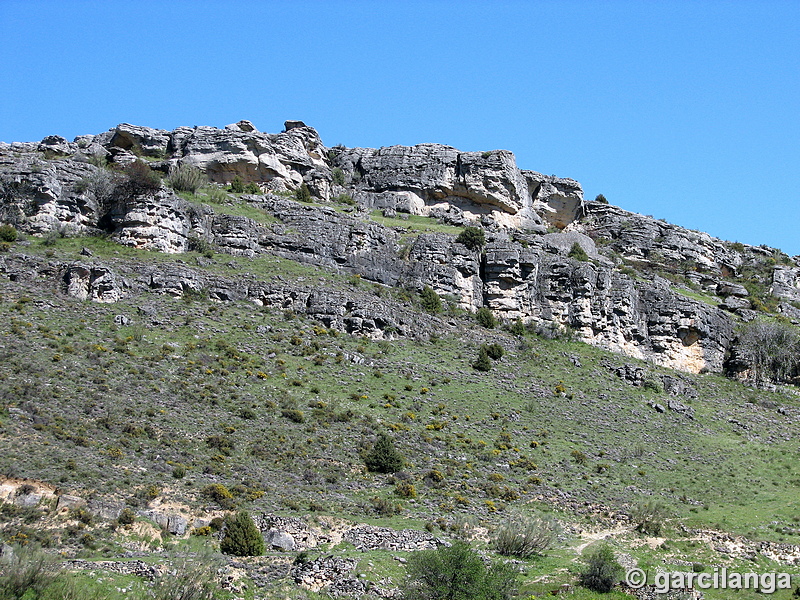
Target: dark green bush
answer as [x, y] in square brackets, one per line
[457, 573]
[242, 537]
[344, 199]
[495, 351]
[384, 457]
[8, 233]
[338, 176]
[252, 188]
[578, 253]
[430, 300]
[303, 194]
[126, 517]
[602, 570]
[483, 362]
[472, 237]
[601, 199]
[237, 185]
[485, 318]
[518, 328]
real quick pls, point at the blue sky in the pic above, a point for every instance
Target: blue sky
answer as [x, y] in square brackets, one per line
[687, 111]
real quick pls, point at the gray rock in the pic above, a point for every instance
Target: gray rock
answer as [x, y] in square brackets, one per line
[279, 540]
[66, 502]
[121, 320]
[104, 510]
[6, 553]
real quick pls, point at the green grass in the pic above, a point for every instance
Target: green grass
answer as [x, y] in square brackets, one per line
[117, 407]
[415, 223]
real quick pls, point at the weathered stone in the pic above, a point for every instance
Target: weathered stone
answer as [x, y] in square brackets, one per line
[97, 284]
[279, 540]
[66, 502]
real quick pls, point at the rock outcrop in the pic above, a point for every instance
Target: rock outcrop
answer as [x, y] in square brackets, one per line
[56, 187]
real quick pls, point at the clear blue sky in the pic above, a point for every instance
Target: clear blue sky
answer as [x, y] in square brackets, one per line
[688, 111]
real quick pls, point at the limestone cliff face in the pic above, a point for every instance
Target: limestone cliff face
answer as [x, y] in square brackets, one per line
[617, 297]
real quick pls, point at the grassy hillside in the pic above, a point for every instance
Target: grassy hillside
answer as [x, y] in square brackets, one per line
[279, 410]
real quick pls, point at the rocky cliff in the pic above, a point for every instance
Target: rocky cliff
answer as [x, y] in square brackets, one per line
[619, 280]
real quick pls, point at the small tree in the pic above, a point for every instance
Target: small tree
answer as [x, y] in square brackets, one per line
[456, 573]
[430, 300]
[602, 570]
[303, 194]
[472, 237]
[485, 318]
[242, 537]
[384, 457]
[483, 362]
[601, 199]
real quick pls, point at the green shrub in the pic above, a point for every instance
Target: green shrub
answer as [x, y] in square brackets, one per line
[216, 195]
[601, 199]
[649, 517]
[126, 517]
[404, 489]
[483, 362]
[485, 318]
[303, 194]
[28, 573]
[242, 537]
[472, 237]
[384, 457]
[189, 580]
[771, 349]
[430, 300]
[653, 383]
[524, 536]
[237, 185]
[579, 457]
[8, 233]
[252, 188]
[294, 415]
[577, 252]
[456, 573]
[5, 246]
[139, 179]
[338, 176]
[219, 494]
[518, 328]
[384, 507]
[186, 178]
[495, 351]
[602, 570]
[344, 199]
[198, 244]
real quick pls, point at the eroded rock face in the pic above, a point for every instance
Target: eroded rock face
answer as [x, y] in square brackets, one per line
[524, 273]
[429, 177]
[96, 283]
